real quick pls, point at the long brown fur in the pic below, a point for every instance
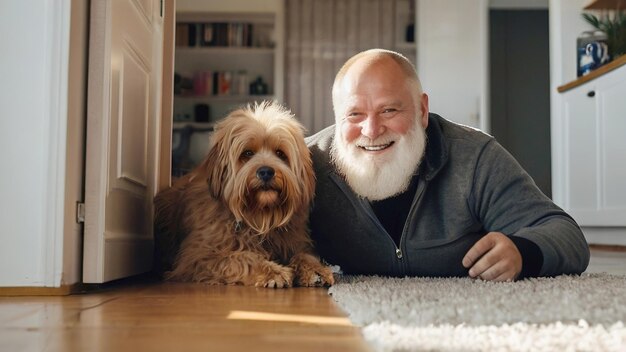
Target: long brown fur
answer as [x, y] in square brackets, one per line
[221, 224]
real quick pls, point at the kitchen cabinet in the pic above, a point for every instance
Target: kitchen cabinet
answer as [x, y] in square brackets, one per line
[593, 149]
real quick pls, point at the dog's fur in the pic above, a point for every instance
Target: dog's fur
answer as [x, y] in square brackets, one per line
[223, 224]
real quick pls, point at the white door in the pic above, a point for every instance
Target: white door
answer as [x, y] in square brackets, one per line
[452, 58]
[125, 58]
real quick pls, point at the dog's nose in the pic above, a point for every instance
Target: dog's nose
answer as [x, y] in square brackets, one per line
[265, 173]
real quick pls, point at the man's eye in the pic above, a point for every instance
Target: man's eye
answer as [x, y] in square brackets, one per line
[387, 111]
[354, 116]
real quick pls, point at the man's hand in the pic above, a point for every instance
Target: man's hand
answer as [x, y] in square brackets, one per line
[494, 257]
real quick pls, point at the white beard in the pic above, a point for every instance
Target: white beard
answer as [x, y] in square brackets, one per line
[378, 177]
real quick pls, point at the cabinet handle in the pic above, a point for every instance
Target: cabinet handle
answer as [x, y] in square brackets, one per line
[591, 94]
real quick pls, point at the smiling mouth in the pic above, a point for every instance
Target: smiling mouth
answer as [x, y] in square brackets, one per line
[376, 148]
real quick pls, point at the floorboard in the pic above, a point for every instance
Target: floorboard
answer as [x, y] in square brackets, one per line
[178, 317]
[153, 316]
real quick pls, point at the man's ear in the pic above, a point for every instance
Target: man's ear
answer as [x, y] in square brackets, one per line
[424, 109]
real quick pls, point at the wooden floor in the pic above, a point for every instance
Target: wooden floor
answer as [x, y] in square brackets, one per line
[178, 317]
[149, 316]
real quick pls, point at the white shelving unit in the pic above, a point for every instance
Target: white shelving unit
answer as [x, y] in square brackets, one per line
[263, 58]
[259, 60]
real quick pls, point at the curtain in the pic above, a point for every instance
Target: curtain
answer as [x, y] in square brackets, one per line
[322, 34]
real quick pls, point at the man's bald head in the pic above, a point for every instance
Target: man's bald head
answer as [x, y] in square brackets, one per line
[369, 58]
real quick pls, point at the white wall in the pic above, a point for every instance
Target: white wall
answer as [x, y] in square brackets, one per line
[33, 67]
[452, 58]
[453, 55]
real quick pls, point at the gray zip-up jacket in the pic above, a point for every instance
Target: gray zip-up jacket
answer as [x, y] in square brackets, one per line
[468, 185]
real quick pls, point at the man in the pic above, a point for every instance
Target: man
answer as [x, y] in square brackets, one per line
[401, 191]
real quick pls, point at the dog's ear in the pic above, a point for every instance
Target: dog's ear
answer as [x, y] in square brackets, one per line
[304, 168]
[216, 164]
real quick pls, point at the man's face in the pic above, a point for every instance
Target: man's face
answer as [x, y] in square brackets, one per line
[376, 104]
[380, 136]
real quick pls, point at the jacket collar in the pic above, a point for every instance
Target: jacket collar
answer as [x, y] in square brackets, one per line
[436, 154]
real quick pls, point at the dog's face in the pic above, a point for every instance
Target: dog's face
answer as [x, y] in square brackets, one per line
[260, 167]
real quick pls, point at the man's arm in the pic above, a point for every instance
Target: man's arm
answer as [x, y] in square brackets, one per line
[506, 200]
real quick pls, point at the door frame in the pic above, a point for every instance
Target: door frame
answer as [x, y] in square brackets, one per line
[164, 160]
[57, 47]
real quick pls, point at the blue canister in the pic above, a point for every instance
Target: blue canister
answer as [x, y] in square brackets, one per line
[592, 52]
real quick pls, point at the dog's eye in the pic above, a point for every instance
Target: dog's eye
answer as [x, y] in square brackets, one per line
[281, 154]
[247, 154]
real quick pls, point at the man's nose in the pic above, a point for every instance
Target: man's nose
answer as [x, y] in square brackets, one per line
[371, 127]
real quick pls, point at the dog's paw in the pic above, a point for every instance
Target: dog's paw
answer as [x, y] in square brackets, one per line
[276, 277]
[314, 276]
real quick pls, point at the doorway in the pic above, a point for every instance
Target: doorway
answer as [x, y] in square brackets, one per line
[520, 89]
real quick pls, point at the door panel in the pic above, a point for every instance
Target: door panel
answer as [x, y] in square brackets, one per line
[124, 93]
[613, 108]
[133, 124]
[580, 148]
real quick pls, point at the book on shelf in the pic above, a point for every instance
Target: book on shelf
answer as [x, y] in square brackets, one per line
[186, 34]
[216, 34]
[182, 35]
[218, 83]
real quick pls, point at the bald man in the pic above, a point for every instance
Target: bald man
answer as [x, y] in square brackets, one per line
[404, 192]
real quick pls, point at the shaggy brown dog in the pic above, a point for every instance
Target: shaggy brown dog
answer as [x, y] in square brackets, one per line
[241, 216]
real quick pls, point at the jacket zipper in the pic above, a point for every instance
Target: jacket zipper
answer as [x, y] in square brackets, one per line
[370, 213]
[421, 186]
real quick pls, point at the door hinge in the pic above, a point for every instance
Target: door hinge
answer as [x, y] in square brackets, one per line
[80, 212]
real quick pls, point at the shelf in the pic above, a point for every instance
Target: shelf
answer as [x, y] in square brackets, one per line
[228, 50]
[620, 61]
[204, 16]
[263, 30]
[606, 5]
[224, 98]
[196, 125]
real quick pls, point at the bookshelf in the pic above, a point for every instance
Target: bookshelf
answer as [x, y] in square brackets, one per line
[223, 60]
[218, 59]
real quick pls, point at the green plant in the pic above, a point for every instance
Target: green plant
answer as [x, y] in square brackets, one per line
[615, 29]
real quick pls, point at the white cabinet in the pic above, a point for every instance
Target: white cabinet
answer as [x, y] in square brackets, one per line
[593, 185]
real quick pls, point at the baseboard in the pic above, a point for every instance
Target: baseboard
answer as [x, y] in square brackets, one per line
[611, 236]
[607, 248]
[64, 290]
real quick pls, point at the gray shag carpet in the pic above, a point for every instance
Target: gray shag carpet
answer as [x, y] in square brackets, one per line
[564, 313]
